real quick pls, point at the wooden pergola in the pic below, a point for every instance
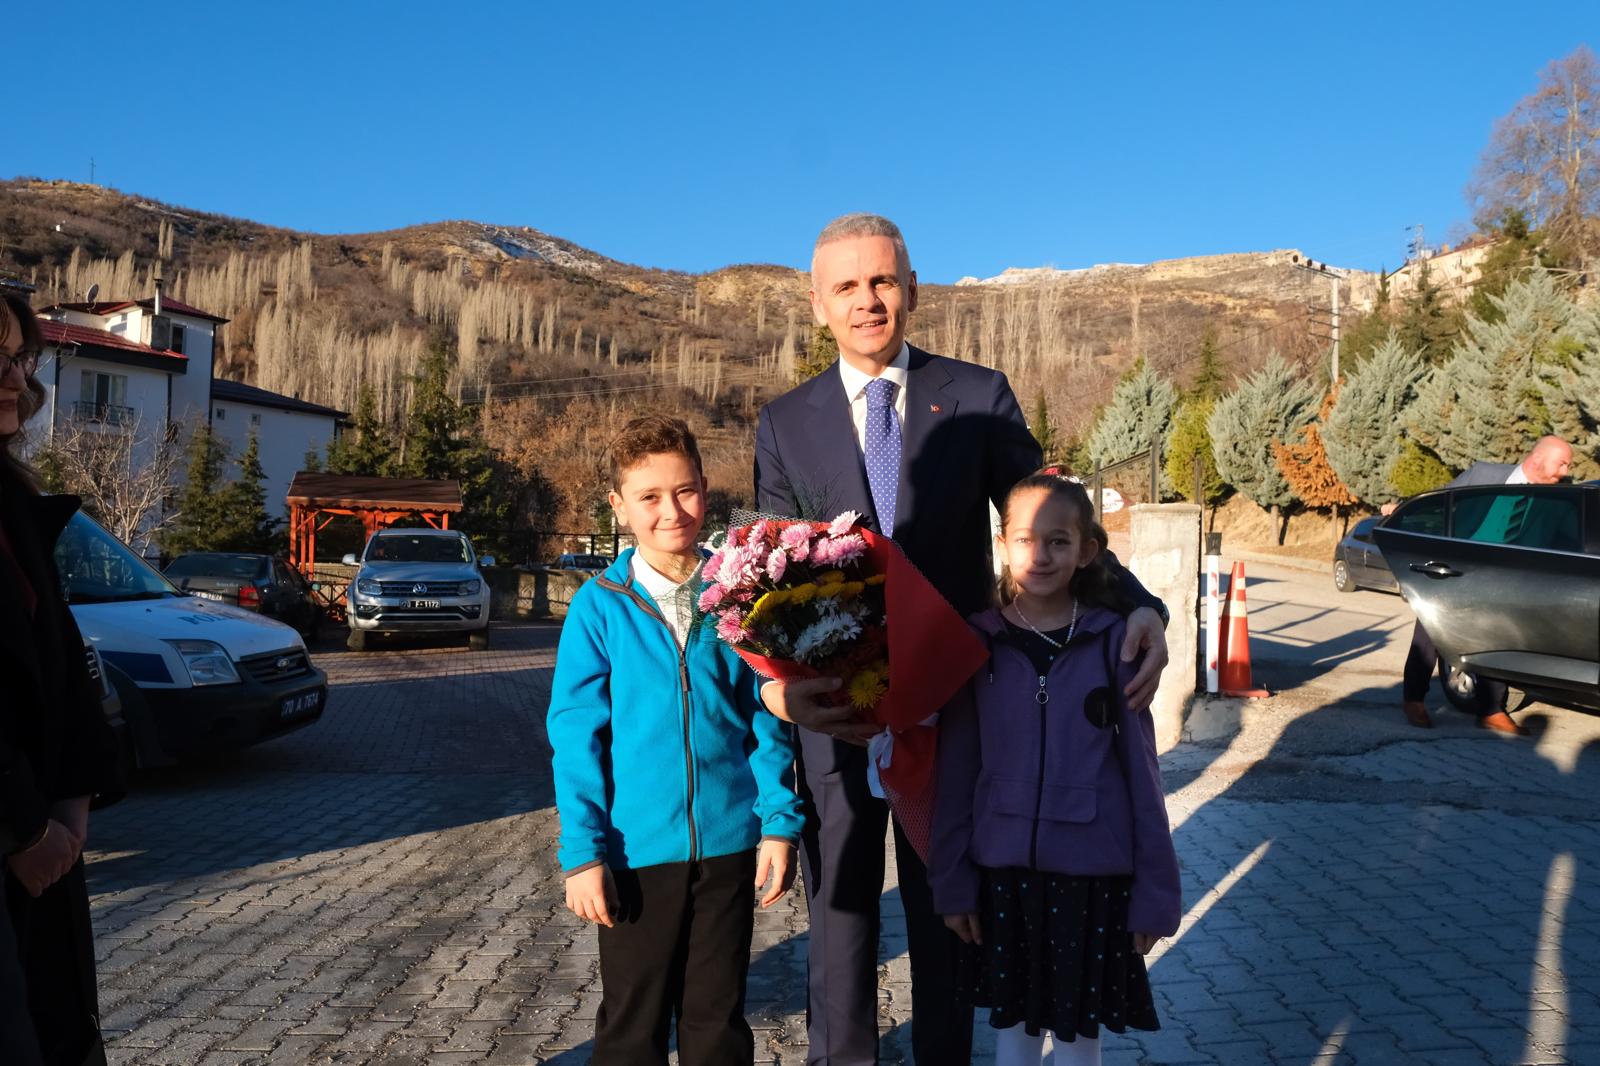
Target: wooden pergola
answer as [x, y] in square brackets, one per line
[316, 499]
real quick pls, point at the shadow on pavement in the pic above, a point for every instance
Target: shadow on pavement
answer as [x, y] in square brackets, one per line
[412, 741]
[1415, 899]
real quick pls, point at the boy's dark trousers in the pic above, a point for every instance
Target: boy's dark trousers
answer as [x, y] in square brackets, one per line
[681, 946]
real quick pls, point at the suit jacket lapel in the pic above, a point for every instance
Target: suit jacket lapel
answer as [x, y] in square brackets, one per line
[842, 468]
[924, 436]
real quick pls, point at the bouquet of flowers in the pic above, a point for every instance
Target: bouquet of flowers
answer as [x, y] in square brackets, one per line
[800, 599]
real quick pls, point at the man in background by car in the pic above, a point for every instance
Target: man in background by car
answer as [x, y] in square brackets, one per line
[1548, 463]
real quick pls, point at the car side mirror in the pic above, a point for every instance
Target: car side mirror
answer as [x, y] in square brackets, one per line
[349, 560]
[487, 560]
[316, 586]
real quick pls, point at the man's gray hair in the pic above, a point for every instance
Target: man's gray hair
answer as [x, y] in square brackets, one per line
[862, 224]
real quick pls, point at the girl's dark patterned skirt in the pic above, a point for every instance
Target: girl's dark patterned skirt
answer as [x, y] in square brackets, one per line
[1057, 955]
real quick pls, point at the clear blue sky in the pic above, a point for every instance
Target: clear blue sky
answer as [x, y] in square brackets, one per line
[696, 135]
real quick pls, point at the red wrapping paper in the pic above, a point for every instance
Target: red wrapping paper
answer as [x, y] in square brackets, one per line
[932, 653]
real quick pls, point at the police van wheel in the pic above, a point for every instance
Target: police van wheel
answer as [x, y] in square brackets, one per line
[357, 641]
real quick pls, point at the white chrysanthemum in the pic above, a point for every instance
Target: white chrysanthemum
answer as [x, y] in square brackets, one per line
[826, 633]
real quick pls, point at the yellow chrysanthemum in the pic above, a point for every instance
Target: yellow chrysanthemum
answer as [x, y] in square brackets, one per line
[765, 604]
[877, 579]
[832, 577]
[866, 689]
[847, 590]
[802, 593]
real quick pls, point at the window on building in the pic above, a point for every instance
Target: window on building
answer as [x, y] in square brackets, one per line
[103, 397]
[255, 418]
[177, 339]
[222, 412]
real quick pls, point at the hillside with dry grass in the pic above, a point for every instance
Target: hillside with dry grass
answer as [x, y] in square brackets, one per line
[558, 343]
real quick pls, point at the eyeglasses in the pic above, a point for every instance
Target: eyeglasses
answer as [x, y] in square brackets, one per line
[26, 361]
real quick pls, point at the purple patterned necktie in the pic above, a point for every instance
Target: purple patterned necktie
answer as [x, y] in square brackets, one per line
[883, 451]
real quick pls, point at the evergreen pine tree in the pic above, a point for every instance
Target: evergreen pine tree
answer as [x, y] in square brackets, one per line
[1208, 379]
[821, 351]
[1191, 440]
[1271, 405]
[441, 442]
[244, 524]
[200, 515]
[1516, 250]
[1485, 404]
[1361, 434]
[1044, 431]
[1427, 323]
[1140, 411]
[368, 448]
[1570, 387]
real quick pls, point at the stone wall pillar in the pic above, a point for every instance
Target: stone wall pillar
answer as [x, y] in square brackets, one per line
[1166, 559]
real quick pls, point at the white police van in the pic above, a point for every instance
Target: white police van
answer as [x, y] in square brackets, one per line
[194, 676]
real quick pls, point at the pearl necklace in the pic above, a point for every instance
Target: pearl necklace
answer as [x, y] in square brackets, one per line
[1016, 605]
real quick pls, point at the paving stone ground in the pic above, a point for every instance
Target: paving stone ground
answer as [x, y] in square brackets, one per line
[381, 888]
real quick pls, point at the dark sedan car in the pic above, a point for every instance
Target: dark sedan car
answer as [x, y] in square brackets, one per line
[1506, 580]
[261, 583]
[1357, 562]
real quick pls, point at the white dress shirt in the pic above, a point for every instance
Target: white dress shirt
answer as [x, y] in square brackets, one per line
[1518, 477]
[675, 600]
[855, 389]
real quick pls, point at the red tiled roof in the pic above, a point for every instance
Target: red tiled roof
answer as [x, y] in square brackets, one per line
[111, 307]
[66, 333]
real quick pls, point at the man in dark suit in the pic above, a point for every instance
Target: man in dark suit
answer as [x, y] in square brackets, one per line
[919, 445]
[1548, 462]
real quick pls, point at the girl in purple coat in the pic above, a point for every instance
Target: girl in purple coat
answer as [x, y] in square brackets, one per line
[1052, 854]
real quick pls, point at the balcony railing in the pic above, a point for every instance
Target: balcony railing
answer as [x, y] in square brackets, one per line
[109, 413]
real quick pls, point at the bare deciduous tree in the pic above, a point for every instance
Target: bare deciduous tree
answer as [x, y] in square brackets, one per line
[124, 473]
[1543, 158]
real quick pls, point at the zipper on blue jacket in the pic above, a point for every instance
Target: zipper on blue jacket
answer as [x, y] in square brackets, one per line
[683, 692]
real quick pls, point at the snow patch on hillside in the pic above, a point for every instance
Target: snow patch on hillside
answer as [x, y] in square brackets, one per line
[528, 243]
[1032, 275]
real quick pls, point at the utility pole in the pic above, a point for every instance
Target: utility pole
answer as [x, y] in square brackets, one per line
[91, 170]
[1334, 277]
[1416, 249]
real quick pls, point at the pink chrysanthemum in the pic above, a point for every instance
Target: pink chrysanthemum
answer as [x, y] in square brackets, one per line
[837, 551]
[730, 628]
[711, 596]
[797, 538]
[843, 524]
[740, 564]
[777, 563]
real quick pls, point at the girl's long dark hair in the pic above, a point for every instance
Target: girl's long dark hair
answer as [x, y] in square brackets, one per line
[1093, 585]
[12, 468]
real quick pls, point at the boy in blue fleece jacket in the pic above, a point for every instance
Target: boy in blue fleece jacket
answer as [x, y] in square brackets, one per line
[674, 786]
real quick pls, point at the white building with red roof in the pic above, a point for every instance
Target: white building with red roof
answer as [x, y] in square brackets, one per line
[146, 367]
[128, 363]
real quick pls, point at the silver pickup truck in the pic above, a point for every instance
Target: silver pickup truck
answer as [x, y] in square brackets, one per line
[418, 581]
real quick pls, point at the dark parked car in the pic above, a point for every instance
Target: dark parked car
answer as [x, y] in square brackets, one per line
[594, 564]
[260, 583]
[1506, 580]
[1357, 562]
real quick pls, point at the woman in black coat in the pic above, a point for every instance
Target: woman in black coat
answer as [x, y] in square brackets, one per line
[57, 752]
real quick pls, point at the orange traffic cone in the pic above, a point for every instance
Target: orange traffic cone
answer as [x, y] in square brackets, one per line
[1234, 677]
